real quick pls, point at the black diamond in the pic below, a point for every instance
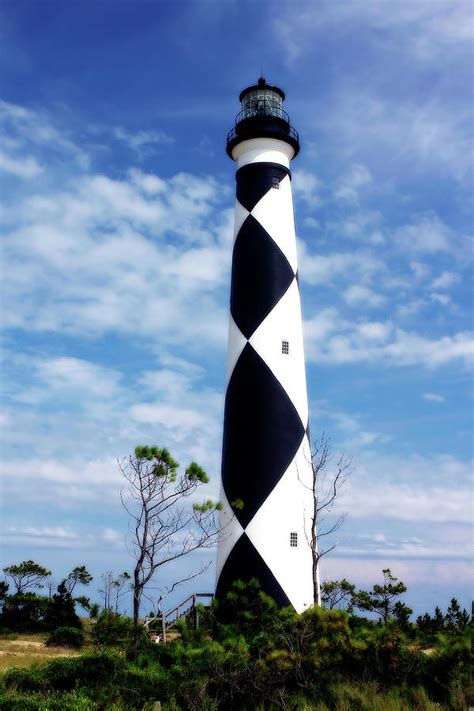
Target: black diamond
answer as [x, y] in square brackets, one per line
[255, 179]
[262, 433]
[260, 276]
[245, 562]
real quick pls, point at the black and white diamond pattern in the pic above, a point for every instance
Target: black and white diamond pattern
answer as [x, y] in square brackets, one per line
[266, 456]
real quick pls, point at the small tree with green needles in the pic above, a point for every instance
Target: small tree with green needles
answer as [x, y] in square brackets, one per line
[27, 574]
[163, 527]
[79, 575]
[382, 599]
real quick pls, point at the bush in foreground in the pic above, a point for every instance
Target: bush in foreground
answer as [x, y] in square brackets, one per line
[111, 630]
[66, 637]
[321, 660]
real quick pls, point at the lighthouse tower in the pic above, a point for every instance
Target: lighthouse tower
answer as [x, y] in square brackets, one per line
[266, 462]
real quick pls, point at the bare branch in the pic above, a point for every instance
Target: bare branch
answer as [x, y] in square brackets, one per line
[327, 482]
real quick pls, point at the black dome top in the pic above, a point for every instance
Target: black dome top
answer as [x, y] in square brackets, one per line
[262, 84]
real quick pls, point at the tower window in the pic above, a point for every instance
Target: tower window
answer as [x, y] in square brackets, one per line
[276, 183]
[293, 540]
[285, 347]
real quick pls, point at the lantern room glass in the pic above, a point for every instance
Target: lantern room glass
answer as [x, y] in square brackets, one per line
[262, 102]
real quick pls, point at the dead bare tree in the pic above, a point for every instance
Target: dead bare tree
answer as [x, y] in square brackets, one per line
[163, 528]
[329, 476]
[106, 590]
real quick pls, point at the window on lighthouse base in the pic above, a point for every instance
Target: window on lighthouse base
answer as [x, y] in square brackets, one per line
[293, 540]
[285, 347]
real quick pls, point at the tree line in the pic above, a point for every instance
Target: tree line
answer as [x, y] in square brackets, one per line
[23, 608]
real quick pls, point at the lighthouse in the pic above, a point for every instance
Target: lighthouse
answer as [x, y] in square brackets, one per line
[266, 486]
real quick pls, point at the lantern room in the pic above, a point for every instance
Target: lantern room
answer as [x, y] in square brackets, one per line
[262, 116]
[262, 99]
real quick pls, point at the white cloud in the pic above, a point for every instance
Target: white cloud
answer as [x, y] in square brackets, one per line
[68, 483]
[168, 416]
[42, 537]
[426, 234]
[143, 142]
[31, 130]
[357, 180]
[448, 544]
[359, 225]
[422, 572]
[420, 270]
[442, 299]
[412, 349]
[410, 503]
[351, 431]
[327, 268]
[20, 166]
[412, 488]
[411, 308]
[422, 26]
[113, 537]
[42, 531]
[332, 340]
[68, 373]
[125, 255]
[147, 182]
[375, 330]
[411, 548]
[434, 397]
[306, 187]
[358, 294]
[57, 380]
[446, 280]
[319, 327]
[92, 409]
[414, 138]
[14, 111]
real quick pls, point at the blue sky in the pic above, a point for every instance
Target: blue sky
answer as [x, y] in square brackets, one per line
[117, 235]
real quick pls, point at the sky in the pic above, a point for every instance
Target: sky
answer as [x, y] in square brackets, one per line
[117, 223]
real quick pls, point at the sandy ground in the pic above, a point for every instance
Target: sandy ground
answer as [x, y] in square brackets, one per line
[26, 650]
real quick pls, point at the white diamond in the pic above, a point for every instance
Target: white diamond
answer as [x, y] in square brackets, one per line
[288, 509]
[275, 213]
[283, 323]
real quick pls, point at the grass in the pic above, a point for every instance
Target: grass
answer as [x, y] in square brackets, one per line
[23, 650]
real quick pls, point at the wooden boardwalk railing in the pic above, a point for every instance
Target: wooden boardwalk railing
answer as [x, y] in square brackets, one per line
[188, 607]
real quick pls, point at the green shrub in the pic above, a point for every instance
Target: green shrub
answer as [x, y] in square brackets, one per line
[66, 674]
[245, 608]
[66, 637]
[111, 629]
[24, 612]
[316, 661]
[60, 610]
[69, 701]
[447, 668]
[140, 686]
